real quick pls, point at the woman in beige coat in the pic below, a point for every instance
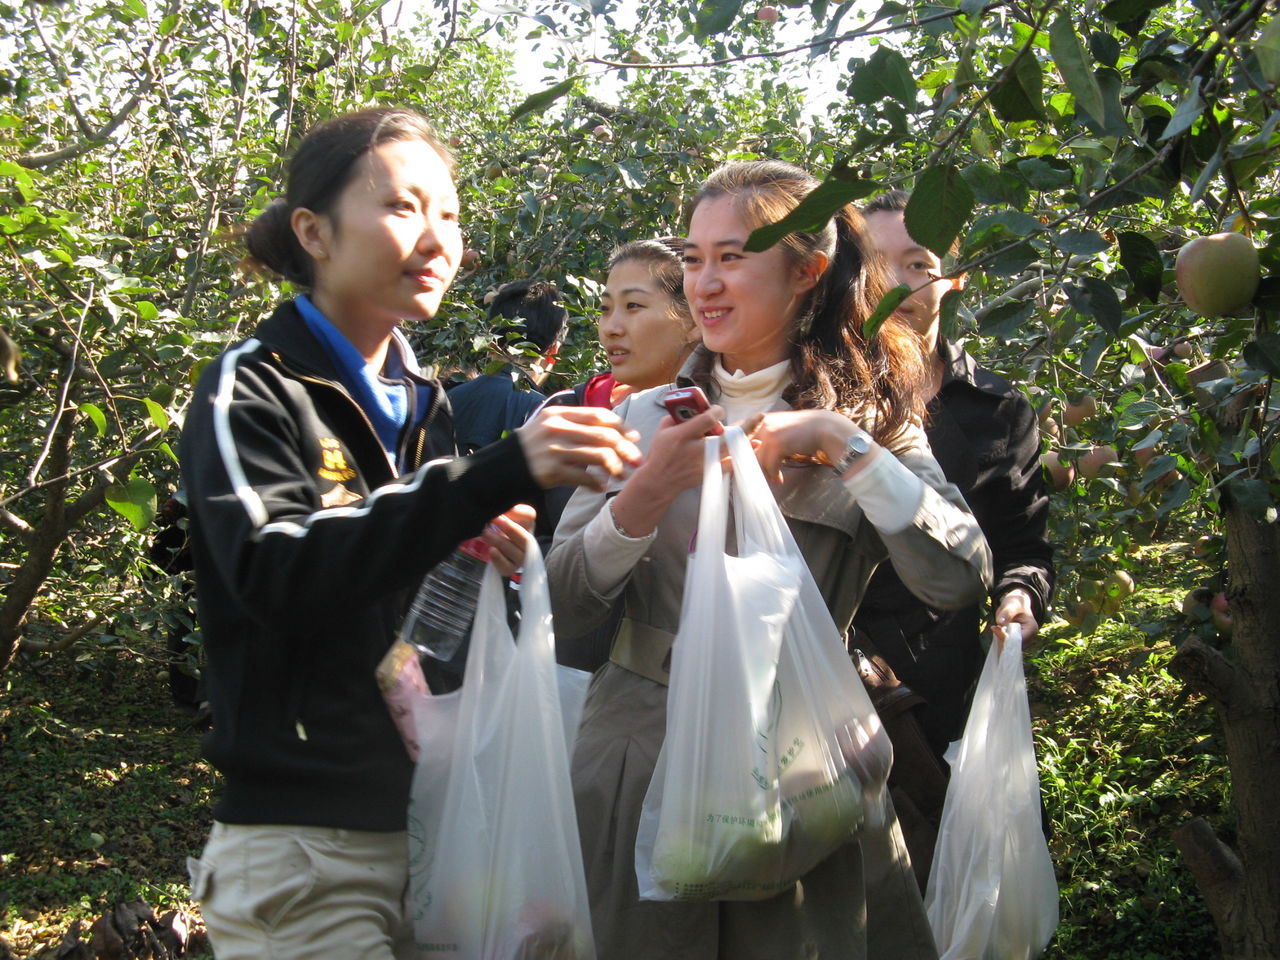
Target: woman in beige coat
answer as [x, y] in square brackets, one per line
[782, 334]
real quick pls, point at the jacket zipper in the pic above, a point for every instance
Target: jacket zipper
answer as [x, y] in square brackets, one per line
[338, 388]
[300, 730]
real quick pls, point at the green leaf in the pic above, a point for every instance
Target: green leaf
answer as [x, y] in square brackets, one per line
[94, 413]
[1264, 353]
[157, 414]
[16, 171]
[1080, 241]
[947, 311]
[537, 102]
[130, 10]
[1046, 173]
[813, 212]
[1013, 261]
[1129, 11]
[168, 24]
[886, 74]
[1268, 295]
[939, 207]
[1267, 49]
[1006, 318]
[992, 186]
[1019, 93]
[135, 501]
[1095, 298]
[1077, 71]
[884, 309]
[1188, 112]
[1141, 260]
[1014, 223]
[715, 16]
[1254, 496]
[1105, 48]
[146, 310]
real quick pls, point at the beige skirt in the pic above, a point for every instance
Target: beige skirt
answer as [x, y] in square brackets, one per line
[823, 917]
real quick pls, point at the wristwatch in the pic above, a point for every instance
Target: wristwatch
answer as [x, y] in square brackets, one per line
[858, 445]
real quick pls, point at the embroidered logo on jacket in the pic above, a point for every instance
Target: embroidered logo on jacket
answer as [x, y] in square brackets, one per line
[334, 464]
[338, 496]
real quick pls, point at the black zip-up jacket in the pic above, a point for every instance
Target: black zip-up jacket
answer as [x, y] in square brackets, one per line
[305, 546]
[984, 434]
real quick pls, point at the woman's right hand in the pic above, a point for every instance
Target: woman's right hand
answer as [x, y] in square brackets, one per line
[577, 446]
[674, 464]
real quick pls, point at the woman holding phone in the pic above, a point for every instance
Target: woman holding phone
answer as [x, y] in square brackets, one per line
[322, 485]
[782, 350]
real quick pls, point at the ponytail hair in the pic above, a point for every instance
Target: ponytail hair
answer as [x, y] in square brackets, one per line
[833, 366]
[320, 169]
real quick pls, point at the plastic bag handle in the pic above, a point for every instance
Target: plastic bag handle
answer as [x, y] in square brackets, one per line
[535, 600]
[760, 527]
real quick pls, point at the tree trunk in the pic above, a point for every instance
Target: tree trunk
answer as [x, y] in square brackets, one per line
[45, 542]
[1242, 886]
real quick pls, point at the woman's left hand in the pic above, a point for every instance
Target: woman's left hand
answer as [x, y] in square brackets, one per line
[1015, 607]
[819, 435]
[509, 535]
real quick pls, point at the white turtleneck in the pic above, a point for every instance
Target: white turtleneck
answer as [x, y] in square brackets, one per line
[745, 394]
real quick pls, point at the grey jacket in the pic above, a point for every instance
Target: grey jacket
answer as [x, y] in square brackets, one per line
[942, 556]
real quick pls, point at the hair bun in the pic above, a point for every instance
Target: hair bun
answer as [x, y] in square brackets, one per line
[271, 243]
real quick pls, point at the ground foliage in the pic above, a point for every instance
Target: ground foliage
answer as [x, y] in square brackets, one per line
[106, 795]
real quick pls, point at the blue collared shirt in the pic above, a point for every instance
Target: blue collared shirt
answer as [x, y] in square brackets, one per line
[382, 395]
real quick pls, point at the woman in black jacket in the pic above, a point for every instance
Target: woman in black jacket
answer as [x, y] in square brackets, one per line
[323, 484]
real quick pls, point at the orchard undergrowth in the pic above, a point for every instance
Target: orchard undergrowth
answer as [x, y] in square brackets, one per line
[106, 796]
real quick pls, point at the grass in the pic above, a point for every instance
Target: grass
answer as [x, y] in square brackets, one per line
[105, 794]
[1126, 755]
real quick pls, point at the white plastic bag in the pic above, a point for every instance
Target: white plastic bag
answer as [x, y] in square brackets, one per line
[495, 860]
[773, 754]
[992, 891]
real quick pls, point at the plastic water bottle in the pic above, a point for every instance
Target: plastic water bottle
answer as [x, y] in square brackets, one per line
[439, 620]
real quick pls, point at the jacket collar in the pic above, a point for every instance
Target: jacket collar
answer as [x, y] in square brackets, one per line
[285, 332]
[959, 367]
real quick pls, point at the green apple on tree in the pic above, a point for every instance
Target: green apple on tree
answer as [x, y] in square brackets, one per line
[1218, 275]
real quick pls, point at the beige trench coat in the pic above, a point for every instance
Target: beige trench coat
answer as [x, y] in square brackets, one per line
[942, 555]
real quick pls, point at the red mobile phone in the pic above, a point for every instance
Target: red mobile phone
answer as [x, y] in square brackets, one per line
[686, 403]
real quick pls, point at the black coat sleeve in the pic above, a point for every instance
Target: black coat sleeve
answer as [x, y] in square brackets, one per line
[1017, 527]
[276, 552]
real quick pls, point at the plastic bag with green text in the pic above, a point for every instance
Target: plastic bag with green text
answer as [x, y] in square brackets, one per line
[774, 755]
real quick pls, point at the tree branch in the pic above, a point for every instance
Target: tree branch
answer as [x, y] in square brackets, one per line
[1217, 870]
[60, 405]
[448, 41]
[15, 524]
[1205, 670]
[60, 72]
[64, 642]
[942, 148]
[97, 137]
[863, 31]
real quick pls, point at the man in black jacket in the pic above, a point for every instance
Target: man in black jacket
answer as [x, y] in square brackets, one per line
[984, 434]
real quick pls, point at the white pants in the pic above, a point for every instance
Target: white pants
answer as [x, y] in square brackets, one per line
[301, 893]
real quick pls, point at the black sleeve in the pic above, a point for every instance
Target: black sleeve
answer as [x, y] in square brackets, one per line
[285, 560]
[1017, 529]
